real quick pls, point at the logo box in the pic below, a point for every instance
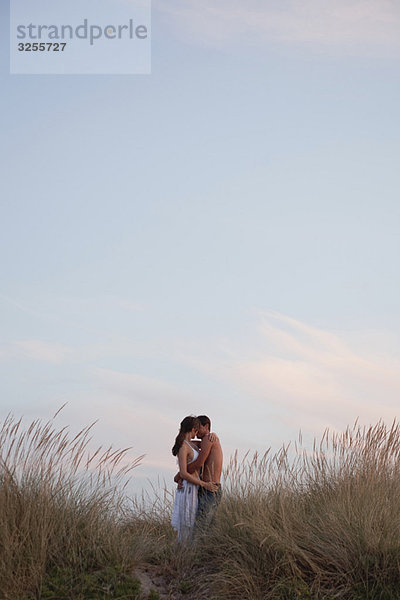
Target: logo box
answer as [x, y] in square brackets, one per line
[80, 36]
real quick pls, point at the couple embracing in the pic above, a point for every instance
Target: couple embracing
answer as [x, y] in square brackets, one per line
[197, 497]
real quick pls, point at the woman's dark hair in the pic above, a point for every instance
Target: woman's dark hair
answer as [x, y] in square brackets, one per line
[187, 425]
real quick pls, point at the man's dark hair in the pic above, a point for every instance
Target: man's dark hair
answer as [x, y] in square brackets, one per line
[204, 420]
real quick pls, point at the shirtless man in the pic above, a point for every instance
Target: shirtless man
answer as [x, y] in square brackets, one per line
[210, 459]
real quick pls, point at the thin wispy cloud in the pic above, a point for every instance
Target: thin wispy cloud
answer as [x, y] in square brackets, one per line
[282, 375]
[317, 376]
[43, 351]
[143, 390]
[56, 353]
[369, 24]
[294, 376]
[58, 310]
[126, 305]
[134, 412]
[310, 374]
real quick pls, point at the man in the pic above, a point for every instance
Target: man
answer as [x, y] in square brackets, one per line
[210, 461]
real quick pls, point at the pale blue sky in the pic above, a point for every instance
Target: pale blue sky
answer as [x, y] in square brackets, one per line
[220, 236]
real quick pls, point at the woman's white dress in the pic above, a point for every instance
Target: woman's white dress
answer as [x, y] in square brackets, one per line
[185, 506]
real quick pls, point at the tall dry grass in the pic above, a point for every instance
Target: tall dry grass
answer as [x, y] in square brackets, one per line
[299, 524]
[324, 524]
[148, 522]
[62, 510]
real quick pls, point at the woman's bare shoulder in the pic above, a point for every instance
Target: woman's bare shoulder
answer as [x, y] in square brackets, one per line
[183, 450]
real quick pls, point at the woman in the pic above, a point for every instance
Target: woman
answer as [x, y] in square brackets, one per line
[185, 506]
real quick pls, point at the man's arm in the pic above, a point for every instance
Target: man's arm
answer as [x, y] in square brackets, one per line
[205, 450]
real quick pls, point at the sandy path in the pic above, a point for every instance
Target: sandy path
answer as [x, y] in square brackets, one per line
[151, 579]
